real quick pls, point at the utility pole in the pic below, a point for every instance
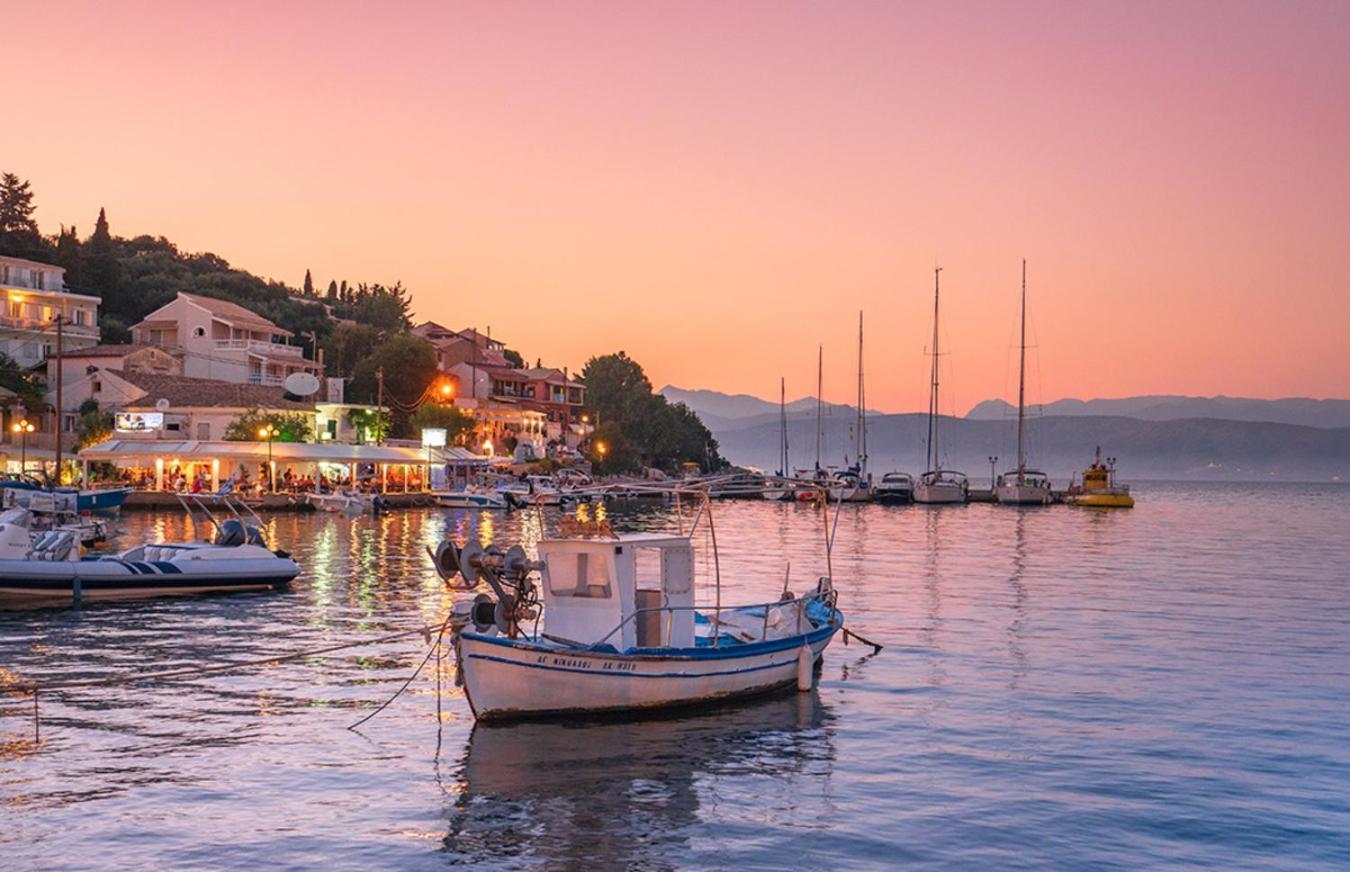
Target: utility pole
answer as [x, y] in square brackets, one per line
[60, 379]
[379, 403]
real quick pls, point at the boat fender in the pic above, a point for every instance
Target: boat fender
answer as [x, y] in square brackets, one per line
[806, 672]
[284, 555]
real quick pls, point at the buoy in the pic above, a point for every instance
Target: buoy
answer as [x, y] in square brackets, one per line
[806, 672]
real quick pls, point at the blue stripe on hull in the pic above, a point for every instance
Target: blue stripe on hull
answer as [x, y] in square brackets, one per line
[613, 674]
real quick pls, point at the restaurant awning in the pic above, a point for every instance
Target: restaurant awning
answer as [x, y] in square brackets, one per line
[144, 452]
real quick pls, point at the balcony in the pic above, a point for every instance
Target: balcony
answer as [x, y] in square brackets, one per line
[38, 325]
[274, 381]
[259, 347]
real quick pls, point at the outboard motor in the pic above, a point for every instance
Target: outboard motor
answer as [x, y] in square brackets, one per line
[254, 536]
[232, 533]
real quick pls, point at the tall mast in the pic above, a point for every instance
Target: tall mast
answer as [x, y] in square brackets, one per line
[820, 392]
[782, 417]
[859, 438]
[1022, 383]
[933, 398]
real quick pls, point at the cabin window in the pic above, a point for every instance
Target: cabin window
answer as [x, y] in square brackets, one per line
[584, 575]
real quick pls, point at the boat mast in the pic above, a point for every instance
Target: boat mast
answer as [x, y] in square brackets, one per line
[860, 436]
[820, 392]
[933, 397]
[782, 424]
[1022, 384]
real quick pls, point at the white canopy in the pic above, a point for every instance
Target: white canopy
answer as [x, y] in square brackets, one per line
[145, 451]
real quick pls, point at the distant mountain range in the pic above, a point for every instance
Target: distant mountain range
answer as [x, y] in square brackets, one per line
[1294, 410]
[1168, 437]
[721, 411]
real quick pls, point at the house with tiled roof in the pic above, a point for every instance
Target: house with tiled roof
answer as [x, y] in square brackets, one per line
[32, 294]
[220, 340]
[76, 363]
[163, 406]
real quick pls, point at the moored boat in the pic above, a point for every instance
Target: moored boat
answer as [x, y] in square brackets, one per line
[1022, 486]
[46, 569]
[894, 488]
[937, 485]
[471, 498]
[101, 500]
[619, 631]
[1099, 488]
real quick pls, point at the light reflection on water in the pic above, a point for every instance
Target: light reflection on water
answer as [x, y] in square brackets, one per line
[1164, 686]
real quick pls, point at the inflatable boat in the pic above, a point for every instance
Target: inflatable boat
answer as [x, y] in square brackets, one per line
[46, 569]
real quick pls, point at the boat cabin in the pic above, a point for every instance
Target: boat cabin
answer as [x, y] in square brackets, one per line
[1029, 477]
[591, 586]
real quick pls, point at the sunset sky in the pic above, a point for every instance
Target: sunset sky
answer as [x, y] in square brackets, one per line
[716, 188]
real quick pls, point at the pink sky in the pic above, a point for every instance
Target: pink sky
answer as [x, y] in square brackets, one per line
[716, 188]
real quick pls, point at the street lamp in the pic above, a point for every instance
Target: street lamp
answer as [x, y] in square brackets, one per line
[23, 428]
[447, 392]
[268, 432]
[993, 463]
[601, 448]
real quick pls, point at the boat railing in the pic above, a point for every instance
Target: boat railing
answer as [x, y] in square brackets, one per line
[799, 604]
[194, 503]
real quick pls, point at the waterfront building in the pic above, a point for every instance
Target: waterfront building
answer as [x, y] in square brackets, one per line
[33, 295]
[514, 397]
[220, 340]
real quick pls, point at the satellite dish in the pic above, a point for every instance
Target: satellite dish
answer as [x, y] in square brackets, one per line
[301, 384]
[162, 404]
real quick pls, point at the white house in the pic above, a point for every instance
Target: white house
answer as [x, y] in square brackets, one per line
[33, 295]
[223, 341]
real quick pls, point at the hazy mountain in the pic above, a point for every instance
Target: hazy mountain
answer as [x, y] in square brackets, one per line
[1294, 410]
[1062, 445]
[732, 411]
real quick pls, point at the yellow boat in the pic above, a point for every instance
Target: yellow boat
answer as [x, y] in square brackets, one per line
[1099, 488]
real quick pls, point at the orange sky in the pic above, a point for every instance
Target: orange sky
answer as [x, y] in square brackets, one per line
[717, 187]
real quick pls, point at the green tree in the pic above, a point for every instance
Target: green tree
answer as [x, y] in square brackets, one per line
[513, 357]
[102, 272]
[19, 236]
[308, 288]
[638, 427]
[94, 426]
[455, 421]
[23, 383]
[371, 425]
[289, 426]
[332, 291]
[67, 256]
[409, 365]
[348, 345]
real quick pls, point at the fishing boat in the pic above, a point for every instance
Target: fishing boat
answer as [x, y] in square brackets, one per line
[1023, 486]
[607, 623]
[533, 490]
[56, 510]
[471, 497]
[45, 569]
[938, 485]
[894, 488]
[1099, 488]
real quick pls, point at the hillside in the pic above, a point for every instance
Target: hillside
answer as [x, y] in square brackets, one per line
[733, 411]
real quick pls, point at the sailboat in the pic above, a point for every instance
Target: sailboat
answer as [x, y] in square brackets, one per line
[938, 485]
[1022, 486]
[854, 484]
[778, 488]
[819, 488]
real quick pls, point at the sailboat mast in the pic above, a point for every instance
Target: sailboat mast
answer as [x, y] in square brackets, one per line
[933, 397]
[858, 437]
[820, 392]
[1022, 383]
[782, 417]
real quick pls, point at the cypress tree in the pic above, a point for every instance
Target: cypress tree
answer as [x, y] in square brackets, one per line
[19, 236]
[68, 256]
[309, 285]
[101, 271]
[332, 291]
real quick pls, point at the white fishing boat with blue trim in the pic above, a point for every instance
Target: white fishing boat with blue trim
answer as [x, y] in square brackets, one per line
[609, 624]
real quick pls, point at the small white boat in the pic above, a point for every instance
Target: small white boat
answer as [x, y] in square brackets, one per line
[942, 486]
[46, 569]
[347, 502]
[1024, 487]
[471, 498]
[849, 487]
[534, 490]
[619, 631]
[894, 488]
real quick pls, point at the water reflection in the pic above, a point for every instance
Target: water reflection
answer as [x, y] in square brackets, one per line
[625, 794]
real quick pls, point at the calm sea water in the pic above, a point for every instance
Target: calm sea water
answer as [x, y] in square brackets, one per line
[1168, 686]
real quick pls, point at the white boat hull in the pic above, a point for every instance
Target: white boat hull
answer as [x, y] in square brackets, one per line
[1023, 495]
[504, 679]
[939, 493]
[37, 583]
[469, 500]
